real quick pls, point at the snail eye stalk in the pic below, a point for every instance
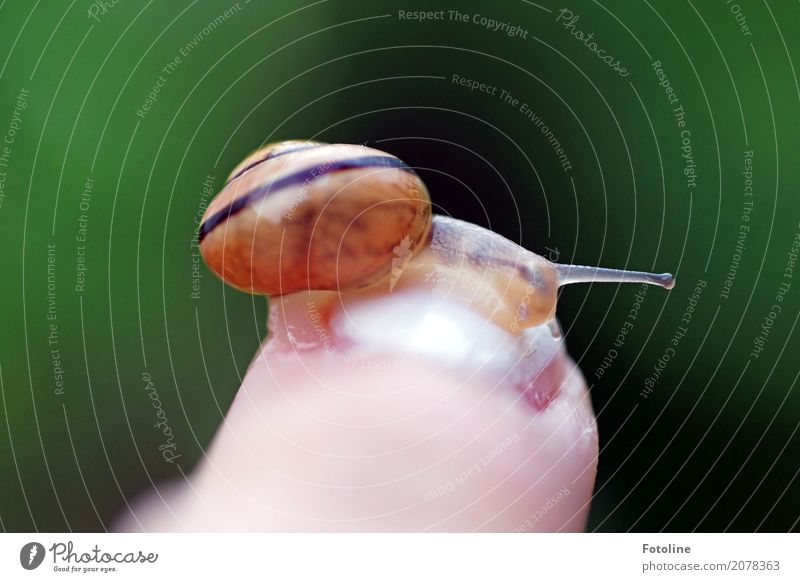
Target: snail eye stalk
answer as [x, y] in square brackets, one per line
[568, 274]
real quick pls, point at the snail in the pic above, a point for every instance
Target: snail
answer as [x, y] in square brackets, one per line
[304, 215]
[380, 327]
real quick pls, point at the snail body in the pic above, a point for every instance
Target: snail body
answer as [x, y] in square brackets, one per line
[505, 282]
[297, 216]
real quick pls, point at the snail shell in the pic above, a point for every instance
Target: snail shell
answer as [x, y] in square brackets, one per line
[306, 215]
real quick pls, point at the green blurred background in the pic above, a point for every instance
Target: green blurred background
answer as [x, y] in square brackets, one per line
[711, 445]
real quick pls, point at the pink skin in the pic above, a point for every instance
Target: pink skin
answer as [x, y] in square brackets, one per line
[401, 411]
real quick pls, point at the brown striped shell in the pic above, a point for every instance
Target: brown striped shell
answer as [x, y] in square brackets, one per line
[306, 215]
